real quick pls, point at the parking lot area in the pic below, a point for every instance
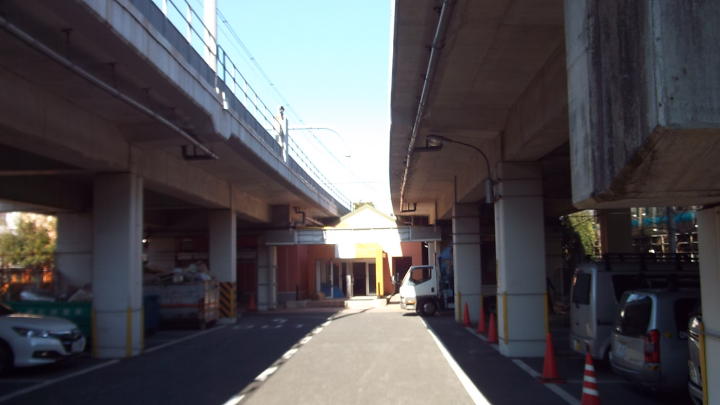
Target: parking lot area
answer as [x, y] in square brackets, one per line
[489, 370]
[178, 366]
[246, 361]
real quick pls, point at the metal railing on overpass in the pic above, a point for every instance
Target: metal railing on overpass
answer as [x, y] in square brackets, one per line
[228, 78]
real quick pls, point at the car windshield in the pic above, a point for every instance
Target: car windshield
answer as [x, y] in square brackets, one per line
[5, 310]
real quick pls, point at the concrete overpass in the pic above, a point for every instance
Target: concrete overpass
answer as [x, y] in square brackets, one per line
[575, 104]
[111, 120]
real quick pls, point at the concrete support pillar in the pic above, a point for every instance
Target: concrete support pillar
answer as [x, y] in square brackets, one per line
[267, 278]
[117, 273]
[709, 244]
[74, 250]
[615, 230]
[466, 260]
[223, 260]
[520, 244]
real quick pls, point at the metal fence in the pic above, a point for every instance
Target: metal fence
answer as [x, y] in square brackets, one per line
[228, 76]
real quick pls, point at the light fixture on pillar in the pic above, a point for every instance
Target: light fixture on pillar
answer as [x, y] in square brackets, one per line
[435, 143]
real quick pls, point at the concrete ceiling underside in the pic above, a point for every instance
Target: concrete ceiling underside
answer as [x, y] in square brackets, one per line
[72, 31]
[499, 85]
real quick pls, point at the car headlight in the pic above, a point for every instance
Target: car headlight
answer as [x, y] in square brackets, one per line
[30, 333]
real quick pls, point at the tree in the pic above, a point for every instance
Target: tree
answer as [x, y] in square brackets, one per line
[580, 238]
[358, 205]
[30, 246]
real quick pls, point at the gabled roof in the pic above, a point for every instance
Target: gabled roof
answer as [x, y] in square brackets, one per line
[366, 216]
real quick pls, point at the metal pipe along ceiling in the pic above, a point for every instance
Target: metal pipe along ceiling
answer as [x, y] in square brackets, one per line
[440, 29]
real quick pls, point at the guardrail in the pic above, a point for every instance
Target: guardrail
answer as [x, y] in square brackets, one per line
[184, 17]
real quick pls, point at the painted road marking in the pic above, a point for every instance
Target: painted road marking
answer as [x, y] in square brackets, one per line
[534, 374]
[470, 388]
[234, 400]
[194, 335]
[552, 387]
[267, 373]
[56, 380]
[289, 353]
[262, 377]
[49, 382]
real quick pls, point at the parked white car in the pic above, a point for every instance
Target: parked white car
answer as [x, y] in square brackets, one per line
[32, 340]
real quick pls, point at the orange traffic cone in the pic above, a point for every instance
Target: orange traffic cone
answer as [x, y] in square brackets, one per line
[492, 330]
[590, 395]
[550, 373]
[481, 322]
[251, 303]
[466, 316]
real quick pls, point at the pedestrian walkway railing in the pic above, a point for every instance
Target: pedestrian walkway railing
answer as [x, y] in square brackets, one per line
[228, 77]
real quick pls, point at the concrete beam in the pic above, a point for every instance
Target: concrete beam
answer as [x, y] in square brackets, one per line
[643, 105]
[537, 122]
[49, 193]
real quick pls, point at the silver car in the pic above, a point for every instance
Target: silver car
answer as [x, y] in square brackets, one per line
[695, 384]
[649, 343]
[32, 340]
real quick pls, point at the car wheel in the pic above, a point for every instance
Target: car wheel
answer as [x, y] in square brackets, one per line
[6, 358]
[428, 308]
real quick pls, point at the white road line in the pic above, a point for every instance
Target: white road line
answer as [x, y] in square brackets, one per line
[289, 353]
[265, 374]
[264, 327]
[194, 335]
[234, 400]
[534, 374]
[299, 325]
[477, 335]
[326, 323]
[526, 368]
[305, 340]
[552, 387]
[317, 330]
[470, 388]
[99, 366]
[56, 380]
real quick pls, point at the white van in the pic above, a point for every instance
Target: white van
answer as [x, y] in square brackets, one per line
[598, 286]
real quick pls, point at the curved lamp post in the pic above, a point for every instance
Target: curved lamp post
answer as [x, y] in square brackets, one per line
[435, 142]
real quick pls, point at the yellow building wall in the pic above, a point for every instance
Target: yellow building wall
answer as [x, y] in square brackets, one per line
[373, 250]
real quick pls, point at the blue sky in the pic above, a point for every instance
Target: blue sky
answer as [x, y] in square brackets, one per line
[329, 59]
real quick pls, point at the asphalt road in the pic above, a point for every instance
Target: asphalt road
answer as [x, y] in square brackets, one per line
[381, 355]
[205, 368]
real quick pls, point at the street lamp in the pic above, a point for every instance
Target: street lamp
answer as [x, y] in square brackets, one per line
[347, 155]
[435, 142]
